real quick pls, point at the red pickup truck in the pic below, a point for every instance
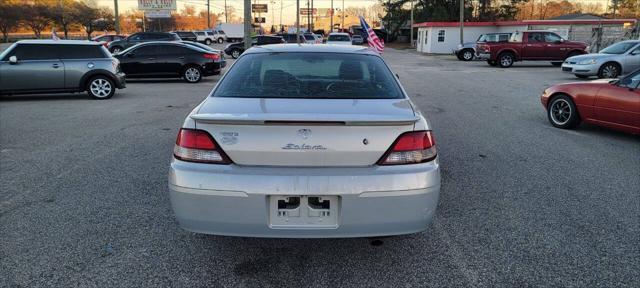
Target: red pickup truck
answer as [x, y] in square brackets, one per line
[530, 46]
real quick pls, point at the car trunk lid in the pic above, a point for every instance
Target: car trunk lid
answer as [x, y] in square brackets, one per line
[305, 132]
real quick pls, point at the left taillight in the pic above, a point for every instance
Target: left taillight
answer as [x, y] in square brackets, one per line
[212, 56]
[198, 146]
[411, 148]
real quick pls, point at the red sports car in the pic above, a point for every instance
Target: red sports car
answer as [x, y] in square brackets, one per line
[610, 103]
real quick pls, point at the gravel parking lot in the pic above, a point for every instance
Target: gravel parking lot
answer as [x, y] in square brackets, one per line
[84, 199]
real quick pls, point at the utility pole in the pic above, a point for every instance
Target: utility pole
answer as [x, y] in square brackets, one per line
[298, 21]
[411, 26]
[308, 16]
[247, 24]
[117, 20]
[312, 20]
[281, 16]
[342, 26]
[226, 19]
[208, 16]
[461, 22]
[331, 29]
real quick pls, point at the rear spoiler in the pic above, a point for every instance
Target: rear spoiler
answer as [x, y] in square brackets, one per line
[305, 119]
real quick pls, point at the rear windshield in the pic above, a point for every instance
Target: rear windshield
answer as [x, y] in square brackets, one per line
[309, 75]
[338, 38]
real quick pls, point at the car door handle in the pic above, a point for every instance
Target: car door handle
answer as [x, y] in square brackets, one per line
[181, 57]
[151, 58]
[55, 65]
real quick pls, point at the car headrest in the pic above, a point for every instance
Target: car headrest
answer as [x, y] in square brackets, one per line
[351, 70]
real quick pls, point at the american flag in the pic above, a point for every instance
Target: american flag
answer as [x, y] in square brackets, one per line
[374, 42]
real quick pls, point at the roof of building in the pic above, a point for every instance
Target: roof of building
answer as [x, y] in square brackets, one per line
[578, 16]
[59, 42]
[353, 49]
[526, 22]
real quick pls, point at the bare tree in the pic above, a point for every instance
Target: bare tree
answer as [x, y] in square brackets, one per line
[9, 18]
[62, 14]
[37, 17]
[86, 16]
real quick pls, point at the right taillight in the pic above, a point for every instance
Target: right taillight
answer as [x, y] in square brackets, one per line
[198, 146]
[411, 148]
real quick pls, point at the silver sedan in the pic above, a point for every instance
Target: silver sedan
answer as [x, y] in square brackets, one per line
[618, 59]
[305, 141]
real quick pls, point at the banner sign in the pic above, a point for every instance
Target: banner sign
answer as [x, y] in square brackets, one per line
[308, 11]
[259, 8]
[157, 13]
[156, 4]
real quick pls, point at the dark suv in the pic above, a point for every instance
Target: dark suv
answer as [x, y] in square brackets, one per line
[133, 39]
[48, 66]
[235, 49]
[186, 35]
[291, 38]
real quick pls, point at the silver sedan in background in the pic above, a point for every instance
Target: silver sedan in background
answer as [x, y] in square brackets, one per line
[306, 141]
[618, 59]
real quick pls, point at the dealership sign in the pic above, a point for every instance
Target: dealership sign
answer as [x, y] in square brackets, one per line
[157, 4]
[157, 13]
[259, 8]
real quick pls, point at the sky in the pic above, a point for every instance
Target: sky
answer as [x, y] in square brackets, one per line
[217, 6]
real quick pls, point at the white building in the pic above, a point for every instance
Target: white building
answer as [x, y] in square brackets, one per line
[444, 37]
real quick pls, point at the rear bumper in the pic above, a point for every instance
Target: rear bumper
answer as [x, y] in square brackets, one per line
[121, 81]
[234, 200]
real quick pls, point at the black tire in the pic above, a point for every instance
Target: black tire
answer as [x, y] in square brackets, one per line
[101, 87]
[235, 53]
[192, 74]
[557, 64]
[562, 112]
[492, 63]
[220, 40]
[506, 59]
[609, 70]
[466, 54]
[458, 55]
[207, 41]
[116, 49]
[582, 76]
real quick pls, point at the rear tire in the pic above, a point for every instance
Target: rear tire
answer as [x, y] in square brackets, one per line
[609, 70]
[466, 54]
[506, 59]
[101, 87]
[562, 112]
[192, 74]
[235, 53]
[207, 41]
[220, 40]
[115, 49]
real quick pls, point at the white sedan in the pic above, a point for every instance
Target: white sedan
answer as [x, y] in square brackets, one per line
[339, 39]
[306, 141]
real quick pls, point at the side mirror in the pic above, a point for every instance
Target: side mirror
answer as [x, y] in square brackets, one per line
[13, 60]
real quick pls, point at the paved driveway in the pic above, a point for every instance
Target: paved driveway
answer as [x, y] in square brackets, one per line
[84, 200]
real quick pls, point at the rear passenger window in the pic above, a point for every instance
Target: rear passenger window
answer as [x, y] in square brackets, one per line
[79, 51]
[171, 49]
[32, 52]
[503, 38]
